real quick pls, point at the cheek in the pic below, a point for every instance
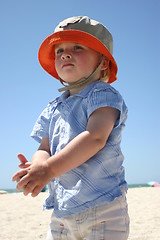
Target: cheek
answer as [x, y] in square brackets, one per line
[57, 64]
[83, 61]
[90, 63]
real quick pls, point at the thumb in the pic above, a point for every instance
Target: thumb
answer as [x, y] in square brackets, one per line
[23, 161]
[22, 158]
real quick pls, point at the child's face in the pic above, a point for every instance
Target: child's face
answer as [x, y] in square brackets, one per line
[74, 61]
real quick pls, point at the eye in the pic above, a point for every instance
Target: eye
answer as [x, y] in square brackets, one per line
[78, 47]
[59, 51]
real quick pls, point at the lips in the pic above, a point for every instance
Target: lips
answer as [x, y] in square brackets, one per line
[67, 65]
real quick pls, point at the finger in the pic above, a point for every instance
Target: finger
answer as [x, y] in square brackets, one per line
[36, 191]
[23, 182]
[24, 162]
[22, 158]
[24, 165]
[18, 175]
[29, 188]
[18, 180]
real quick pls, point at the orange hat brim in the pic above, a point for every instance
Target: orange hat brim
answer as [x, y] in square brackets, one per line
[46, 54]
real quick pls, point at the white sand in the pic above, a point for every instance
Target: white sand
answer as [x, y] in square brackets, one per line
[22, 217]
[144, 211]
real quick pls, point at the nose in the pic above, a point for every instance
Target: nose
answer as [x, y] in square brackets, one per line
[66, 55]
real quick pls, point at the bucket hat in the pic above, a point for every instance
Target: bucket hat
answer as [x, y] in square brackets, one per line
[82, 30]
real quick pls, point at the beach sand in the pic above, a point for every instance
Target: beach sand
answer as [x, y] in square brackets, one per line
[22, 217]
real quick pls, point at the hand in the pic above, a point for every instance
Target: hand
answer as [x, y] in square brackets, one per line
[24, 163]
[32, 179]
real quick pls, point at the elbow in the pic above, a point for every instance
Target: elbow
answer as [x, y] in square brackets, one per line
[95, 141]
[99, 143]
[102, 143]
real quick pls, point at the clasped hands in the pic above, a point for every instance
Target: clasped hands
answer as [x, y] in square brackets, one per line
[33, 176]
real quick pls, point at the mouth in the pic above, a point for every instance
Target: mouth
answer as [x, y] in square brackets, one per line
[67, 65]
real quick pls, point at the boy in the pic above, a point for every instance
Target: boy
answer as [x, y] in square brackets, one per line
[79, 134]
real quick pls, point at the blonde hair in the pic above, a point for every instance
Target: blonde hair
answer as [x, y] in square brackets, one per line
[104, 75]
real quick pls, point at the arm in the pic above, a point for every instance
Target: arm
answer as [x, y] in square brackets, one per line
[78, 151]
[86, 144]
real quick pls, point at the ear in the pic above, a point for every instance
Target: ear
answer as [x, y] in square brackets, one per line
[105, 64]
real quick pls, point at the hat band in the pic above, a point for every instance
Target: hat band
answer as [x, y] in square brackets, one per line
[83, 81]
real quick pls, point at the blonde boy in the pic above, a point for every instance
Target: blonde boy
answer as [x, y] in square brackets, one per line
[79, 156]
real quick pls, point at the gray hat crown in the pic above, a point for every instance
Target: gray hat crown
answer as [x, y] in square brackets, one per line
[90, 26]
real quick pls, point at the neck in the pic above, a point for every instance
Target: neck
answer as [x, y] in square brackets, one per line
[75, 90]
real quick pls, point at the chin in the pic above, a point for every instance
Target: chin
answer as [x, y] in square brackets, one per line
[70, 80]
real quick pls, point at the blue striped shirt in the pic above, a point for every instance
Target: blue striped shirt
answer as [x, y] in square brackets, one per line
[98, 180]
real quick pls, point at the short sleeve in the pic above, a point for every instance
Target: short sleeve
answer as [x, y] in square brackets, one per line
[107, 97]
[41, 127]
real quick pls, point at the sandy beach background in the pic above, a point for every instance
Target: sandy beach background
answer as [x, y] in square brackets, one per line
[22, 217]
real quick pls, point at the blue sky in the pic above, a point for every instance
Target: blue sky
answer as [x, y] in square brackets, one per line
[26, 88]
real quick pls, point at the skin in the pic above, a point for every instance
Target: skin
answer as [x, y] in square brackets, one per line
[72, 62]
